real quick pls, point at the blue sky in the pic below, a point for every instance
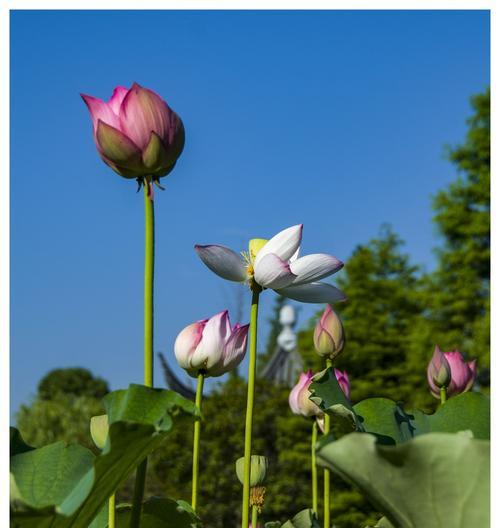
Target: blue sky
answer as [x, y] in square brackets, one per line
[336, 120]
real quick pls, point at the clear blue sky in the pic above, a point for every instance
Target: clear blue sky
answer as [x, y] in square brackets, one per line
[337, 120]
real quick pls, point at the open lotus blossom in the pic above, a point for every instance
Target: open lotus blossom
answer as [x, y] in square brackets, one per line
[462, 373]
[299, 397]
[329, 334]
[275, 264]
[136, 133]
[211, 346]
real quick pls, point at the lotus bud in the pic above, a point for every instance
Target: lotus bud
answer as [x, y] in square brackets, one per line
[343, 381]
[136, 133]
[439, 370]
[99, 429]
[258, 469]
[329, 334]
[299, 397]
[211, 346]
[457, 378]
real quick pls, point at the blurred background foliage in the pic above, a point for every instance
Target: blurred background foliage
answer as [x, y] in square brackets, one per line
[394, 316]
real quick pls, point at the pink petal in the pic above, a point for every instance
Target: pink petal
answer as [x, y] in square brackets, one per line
[99, 110]
[117, 98]
[273, 272]
[142, 112]
[211, 347]
[186, 343]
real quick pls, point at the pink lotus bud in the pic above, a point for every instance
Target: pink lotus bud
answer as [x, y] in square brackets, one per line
[211, 346]
[299, 397]
[461, 377]
[329, 334]
[136, 133]
[438, 371]
[343, 380]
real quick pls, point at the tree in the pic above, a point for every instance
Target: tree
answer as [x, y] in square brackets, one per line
[382, 305]
[61, 410]
[457, 294]
[71, 382]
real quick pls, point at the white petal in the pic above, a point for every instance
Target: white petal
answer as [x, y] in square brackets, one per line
[234, 352]
[314, 267]
[314, 292]
[186, 343]
[272, 272]
[284, 244]
[223, 261]
[211, 347]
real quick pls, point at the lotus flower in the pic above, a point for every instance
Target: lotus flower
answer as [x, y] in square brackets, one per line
[461, 373]
[299, 397]
[136, 133]
[211, 346]
[329, 334]
[275, 264]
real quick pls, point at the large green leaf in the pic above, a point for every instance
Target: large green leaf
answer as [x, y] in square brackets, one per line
[468, 411]
[156, 513]
[66, 486]
[303, 519]
[390, 422]
[431, 481]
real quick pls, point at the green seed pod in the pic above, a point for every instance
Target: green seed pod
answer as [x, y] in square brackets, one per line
[99, 430]
[258, 469]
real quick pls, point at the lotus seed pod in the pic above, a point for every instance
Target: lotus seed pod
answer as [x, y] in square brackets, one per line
[258, 469]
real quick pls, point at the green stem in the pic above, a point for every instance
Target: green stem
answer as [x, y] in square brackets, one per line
[149, 257]
[196, 441]
[252, 362]
[442, 392]
[255, 515]
[111, 511]
[326, 472]
[314, 469]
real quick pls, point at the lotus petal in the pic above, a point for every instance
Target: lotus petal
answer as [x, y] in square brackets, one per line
[223, 262]
[314, 292]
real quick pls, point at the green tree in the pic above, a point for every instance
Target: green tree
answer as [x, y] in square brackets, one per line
[62, 408]
[457, 294]
[383, 304]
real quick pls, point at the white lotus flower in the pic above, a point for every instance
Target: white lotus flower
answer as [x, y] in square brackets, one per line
[275, 264]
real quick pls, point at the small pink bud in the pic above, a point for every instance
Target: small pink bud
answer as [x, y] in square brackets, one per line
[328, 336]
[299, 397]
[457, 378]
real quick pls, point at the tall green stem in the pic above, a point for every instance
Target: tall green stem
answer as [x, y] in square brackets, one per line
[442, 392]
[111, 511]
[314, 469]
[326, 472]
[255, 516]
[252, 362]
[149, 257]
[196, 441]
